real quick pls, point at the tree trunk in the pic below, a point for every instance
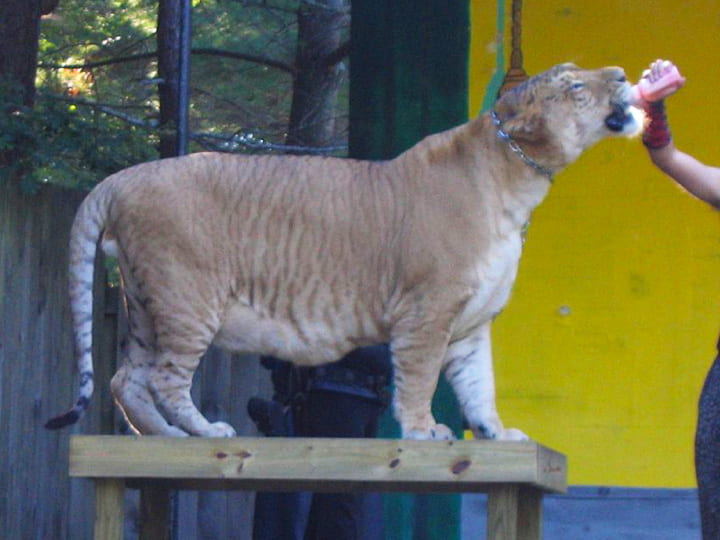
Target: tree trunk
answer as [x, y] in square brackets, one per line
[315, 88]
[19, 33]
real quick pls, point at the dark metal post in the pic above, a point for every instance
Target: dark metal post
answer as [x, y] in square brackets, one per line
[183, 133]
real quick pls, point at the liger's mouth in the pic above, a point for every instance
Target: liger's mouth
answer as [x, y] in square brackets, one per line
[624, 118]
[619, 118]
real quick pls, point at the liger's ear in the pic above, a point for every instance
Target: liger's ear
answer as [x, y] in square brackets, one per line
[519, 120]
[525, 126]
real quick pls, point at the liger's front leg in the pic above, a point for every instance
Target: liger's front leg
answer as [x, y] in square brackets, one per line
[469, 369]
[417, 359]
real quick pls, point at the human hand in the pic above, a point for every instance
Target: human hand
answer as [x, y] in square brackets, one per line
[661, 80]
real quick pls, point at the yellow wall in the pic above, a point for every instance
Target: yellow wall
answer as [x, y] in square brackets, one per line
[603, 348]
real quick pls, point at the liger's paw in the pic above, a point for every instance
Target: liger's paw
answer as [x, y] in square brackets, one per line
[172, 431]
[219, 429]
[438, 432]
[495, 431]
[163, 431]
[512, 434]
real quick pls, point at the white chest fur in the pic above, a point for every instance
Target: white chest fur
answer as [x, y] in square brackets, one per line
[495, 274]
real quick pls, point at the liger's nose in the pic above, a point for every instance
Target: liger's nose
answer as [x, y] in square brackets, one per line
[616, 74]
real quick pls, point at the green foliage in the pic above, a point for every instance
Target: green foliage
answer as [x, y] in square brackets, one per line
[228, 95]
[68, 145]
[68, 137]
[97, 105]
[242, 96]
[84, 32]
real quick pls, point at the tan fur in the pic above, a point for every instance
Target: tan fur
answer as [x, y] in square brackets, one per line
[306, 258]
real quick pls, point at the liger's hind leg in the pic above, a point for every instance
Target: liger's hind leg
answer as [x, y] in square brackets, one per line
[171, 326]
[129, 385]
[132, 395]
[170, 382]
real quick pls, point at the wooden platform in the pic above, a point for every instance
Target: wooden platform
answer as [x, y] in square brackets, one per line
[514, 474]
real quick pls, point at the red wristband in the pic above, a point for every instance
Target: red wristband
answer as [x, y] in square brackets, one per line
[657, 132]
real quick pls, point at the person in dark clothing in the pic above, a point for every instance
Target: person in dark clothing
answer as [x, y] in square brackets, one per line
[343, 399]
[702, 181]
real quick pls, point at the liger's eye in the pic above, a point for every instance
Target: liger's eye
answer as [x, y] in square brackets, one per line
[577, 86]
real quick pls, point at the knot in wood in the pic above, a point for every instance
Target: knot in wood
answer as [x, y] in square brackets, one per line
[460, 466]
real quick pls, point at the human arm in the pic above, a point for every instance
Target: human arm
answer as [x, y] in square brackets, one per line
[701, 180]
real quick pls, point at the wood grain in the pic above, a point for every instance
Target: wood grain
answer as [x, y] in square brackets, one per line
[320, 464]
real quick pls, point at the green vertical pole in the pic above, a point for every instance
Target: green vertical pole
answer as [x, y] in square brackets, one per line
[408, 79]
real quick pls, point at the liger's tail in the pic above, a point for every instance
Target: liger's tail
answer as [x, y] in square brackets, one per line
[84, 235]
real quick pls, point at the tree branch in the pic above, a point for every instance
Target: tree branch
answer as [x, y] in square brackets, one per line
[110, 111]
[265, 5]
[216, 141]
[262, 60]
[338, 55]
[227, 143]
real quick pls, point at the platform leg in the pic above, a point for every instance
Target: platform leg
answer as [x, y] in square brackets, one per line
[530, 514]
[154, 512]
[109, 508]
[514, 513]
[502, 512]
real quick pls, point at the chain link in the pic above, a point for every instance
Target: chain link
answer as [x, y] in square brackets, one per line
[515, 147]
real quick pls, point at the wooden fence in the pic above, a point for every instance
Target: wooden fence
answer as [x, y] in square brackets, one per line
[38, 380]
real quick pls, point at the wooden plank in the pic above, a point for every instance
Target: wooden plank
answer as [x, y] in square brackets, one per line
[319, 464]
[551, 469]
[109, 508]
[502, 512]
[530, 515]
[514, 511]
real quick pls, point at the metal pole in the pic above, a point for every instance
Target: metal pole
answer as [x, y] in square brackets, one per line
[181, 141]
[183, 133]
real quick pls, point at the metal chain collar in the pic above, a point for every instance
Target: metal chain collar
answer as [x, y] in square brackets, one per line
[515, 147]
